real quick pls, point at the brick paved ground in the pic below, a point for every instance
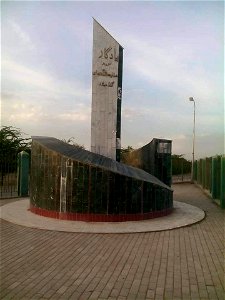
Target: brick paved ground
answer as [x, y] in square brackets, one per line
[185, 263]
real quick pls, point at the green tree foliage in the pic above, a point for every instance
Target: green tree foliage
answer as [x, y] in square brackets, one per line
[180, 165]
[72, 142]
[124, 151]
[11, 143]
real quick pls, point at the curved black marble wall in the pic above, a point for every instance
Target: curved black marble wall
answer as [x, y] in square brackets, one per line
[72, 183]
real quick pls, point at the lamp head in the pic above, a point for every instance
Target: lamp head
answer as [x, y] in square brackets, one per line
[191, 99]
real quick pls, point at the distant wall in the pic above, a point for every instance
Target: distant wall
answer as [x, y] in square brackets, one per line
[209, 173]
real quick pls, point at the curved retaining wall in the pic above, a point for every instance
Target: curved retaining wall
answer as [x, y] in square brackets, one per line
[74, 184]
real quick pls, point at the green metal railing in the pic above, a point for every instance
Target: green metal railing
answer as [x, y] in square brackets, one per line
[23, 173]
[14, 175]
[209, 173]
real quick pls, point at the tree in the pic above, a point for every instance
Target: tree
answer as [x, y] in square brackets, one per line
[180, 165]
[124, 152]
[11, 143]
[72, 142]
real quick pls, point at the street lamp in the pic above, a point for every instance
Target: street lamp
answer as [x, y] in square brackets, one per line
[193, 149]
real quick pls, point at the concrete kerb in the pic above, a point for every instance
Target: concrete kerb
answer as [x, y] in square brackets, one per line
[183, 215]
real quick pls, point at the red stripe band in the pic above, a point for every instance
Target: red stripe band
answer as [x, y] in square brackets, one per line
[90, 217]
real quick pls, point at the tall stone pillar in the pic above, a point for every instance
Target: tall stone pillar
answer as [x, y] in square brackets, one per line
[107, 68]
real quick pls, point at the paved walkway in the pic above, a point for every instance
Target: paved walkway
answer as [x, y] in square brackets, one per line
[184, 263]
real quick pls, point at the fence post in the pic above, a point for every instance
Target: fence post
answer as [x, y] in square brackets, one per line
[222, 183]
[214, 185]
[23, 174]
[204, 173]
[195, 170]
[200, 171]
[210, 175]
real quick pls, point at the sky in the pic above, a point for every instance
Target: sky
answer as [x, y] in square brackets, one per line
[173, 50]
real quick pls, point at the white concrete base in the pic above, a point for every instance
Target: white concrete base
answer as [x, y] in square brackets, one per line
[183, 215]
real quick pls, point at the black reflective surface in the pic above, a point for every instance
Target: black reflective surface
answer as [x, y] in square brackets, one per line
[69, 179]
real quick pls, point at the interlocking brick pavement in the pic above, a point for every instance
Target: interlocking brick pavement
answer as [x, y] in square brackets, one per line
[184, 263]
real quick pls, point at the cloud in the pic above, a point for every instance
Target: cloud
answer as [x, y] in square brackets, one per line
[171, 68]
[17, 73]
[82, 113]
[23, 110]
[22, 35]
[20, 110]
[31, 79]
[32, 95]
[75, 116]
[130, 113]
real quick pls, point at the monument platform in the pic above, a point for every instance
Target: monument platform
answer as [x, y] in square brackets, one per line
[183, 215]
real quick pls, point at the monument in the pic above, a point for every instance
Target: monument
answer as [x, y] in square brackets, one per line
[71, 183]
[106, 93]
[75, 184]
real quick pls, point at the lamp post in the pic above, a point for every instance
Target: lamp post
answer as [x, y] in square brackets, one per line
[193, 149]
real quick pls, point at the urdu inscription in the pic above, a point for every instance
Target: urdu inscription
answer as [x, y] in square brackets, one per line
[106, 54]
